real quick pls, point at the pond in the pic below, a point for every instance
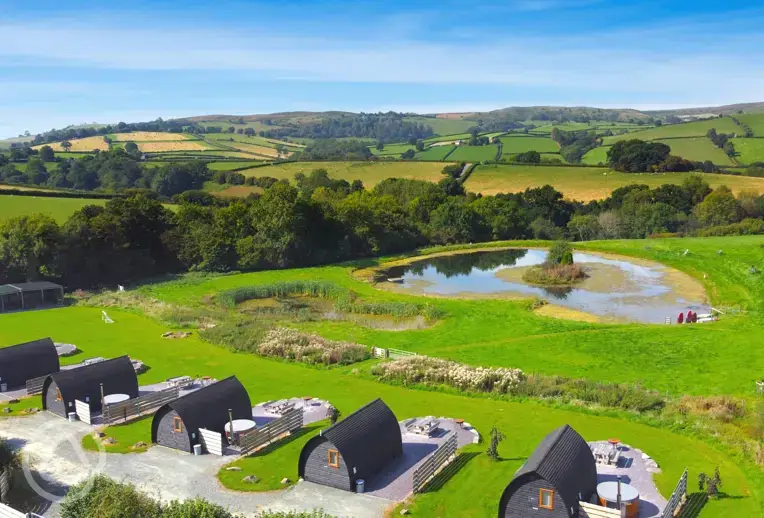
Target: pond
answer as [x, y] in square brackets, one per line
[617, 289]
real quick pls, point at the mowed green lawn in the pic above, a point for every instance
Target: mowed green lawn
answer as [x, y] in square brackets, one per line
[473, 492]
[585, 183]
[520, 144]
[749, 150]
[474, 153]
[59, 208]
[370, 173]
[698, 149]
[685, 129]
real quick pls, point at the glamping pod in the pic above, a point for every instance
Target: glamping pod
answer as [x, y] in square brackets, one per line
[358, 447]
[22, 362]
[560, 473]
[176, 424]
[60, 390]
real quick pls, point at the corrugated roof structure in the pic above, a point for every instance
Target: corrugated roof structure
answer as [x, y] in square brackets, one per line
[22, 362]
[367, 439]
[563, 459]
[208, 407]
[117, 375]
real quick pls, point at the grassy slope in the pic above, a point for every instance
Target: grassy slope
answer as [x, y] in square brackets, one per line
[520, 144]
[596, 156]
[749, 150]
[474, 153]
[755, 121]
[371, 173]
[698, 149]
[583, 183]
[524, 423]
[687, 129]
[434, 153]
[59, 208]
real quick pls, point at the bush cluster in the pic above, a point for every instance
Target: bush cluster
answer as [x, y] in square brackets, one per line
[291, 344]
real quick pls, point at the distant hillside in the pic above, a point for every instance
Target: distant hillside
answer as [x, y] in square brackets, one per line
[727, 109]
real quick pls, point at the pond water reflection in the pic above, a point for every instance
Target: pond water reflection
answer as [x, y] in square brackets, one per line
[617, 289]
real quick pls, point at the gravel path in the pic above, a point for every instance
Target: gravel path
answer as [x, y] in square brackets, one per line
[52, 446]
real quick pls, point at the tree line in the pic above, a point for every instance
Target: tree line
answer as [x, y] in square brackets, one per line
[321, 220]
[383, 127]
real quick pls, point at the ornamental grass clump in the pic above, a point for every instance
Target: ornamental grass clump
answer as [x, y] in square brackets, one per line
[434, 371]
[291, 344]
[231, 298]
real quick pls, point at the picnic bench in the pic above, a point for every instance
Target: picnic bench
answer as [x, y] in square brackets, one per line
[279, 407]
[425, 426]
[606, 453]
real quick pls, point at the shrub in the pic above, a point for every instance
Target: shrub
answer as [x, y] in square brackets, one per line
[231, 298]
[555, 275]
[291, 344]
[560, 253]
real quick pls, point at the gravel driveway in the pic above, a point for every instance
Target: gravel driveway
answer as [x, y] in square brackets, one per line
[53, 448]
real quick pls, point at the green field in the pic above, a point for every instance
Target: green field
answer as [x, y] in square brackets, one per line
[395, 150]
[512, 145]
[596, 156]
[59, 208]
[755, 121]
[698, 149]
[448, 138]
[686, 129]
[370, 173]
[227, 166]
[672, 359]
[435, 153]
[585, 183]
[474, 153]
[444, 126]
[749, 150]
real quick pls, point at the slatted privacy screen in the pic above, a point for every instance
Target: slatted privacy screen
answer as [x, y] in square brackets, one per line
[10, 512]
[273, 431]
[133, 408]
[83, 411]
[211, 441]
[678, 497]
[34, 386]
[5, 485]
[445, 453]
[587, 510]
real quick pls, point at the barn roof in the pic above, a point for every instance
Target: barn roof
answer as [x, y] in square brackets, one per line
[28, 360]
[23, 287]
[565, 460]
[208, 406]
[117, 375]
[368, 438]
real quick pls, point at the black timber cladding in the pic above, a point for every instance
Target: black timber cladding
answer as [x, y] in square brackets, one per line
[204, 408]
[565, 461]
[22, 362]
[84, 383]
[367, 440]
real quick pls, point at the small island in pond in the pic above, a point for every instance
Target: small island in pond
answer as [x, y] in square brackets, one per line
[558, 269]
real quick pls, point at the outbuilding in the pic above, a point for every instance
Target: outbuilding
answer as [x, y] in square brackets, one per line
[60, 390]
[559, 474]
[356, 448]
[22, 362]
[176, 424]
[28, 295]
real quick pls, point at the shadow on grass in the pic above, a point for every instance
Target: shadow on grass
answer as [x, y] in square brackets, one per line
[283, 442]
[693, 506]
[448, 472]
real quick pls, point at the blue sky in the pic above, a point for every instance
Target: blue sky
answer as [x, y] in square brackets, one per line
[73, 62]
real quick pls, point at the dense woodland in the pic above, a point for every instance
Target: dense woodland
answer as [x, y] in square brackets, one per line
[324, 221]
[384, 127]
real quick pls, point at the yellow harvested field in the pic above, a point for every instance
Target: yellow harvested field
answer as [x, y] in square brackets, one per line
[179, 145]
[81, 144]
[239, 191]
[147, 136]
[370, 173]
[254, 148]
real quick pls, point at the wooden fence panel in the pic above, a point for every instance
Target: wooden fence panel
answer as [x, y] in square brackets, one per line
[10, 512]
[587, 510]
[678, 497]
[34, 386]
[83, 411]
[397, 353]
[434, 463]
[271, 432]
[132, 408]
[211, 441]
